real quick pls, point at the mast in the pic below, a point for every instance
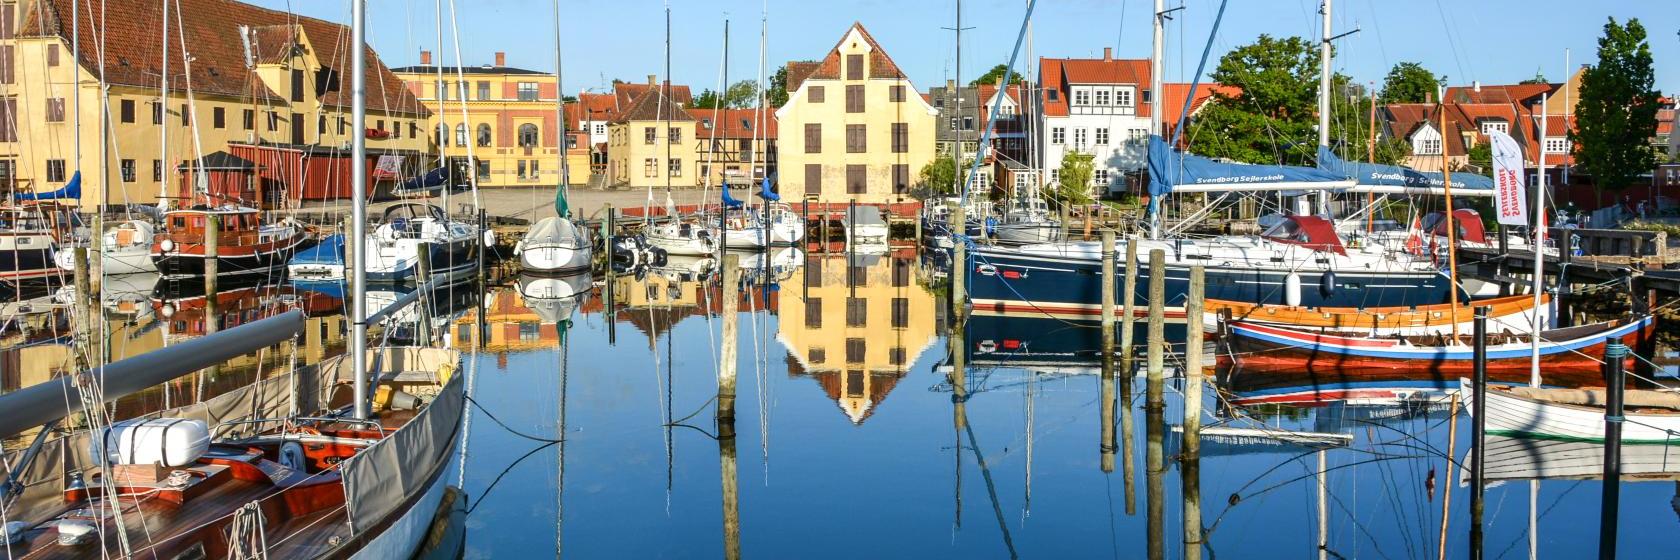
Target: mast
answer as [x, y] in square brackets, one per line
[960, 187]
[443, 115]
[358, 203]
[1539, 246]
[163, 108]
[1324, 97]
[664, 98]
[1156, 128]
[560, 119]
[1452, 230]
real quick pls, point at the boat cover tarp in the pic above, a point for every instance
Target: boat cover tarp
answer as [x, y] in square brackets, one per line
[431, 180]
[552, 231]
[729, 201]
[1376, 174]
[72, 189]
[329, 251]
[379, 479]
[765, 192]
[1171, 170]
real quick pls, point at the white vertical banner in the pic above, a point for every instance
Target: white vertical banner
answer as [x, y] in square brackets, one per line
[1508, 190]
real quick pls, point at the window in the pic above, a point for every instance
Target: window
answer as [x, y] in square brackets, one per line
[535, 168]
[854, 67]
[813, 271]
[857, 276]
[675, 168]
[1058, 135]
[460, 134]
[127, 110]
[1102, 97]
[321, 124]
[813, 138]
[895, 94]
[377, 125]
[484, 171]
[127, 170]
[1101, 175]
[675, 135]
[816, 355]
[901, 178]
[527, 135]
[816, 94]
[813, 187]
[856, 176]
[484, 91]
[157, 113]
[1123, 97]
[218, 117]
[855, 349]
[900, 313]
[157, 170]
[1137, 135]
[813, 306]
[901, 273]
[461, 89]
[954, 122]
[521, 168]
[900, 138]
[968, 123]
[650, 167]
[1102, 136]
[413, 128]
[1079, 136]
[600, 128]
[857, 139]
[52, 54]
[1557, 145]
[527, 91]
[1490, 127]
[1081, 97]
[1432, 146]
[249, 118]
[530, 331]
[442, 90]
[649, 134]
[854, 99]
[857, 312]
[55, 171]
[442, 134]
[297, 85]
[6, 60]
[55, 109]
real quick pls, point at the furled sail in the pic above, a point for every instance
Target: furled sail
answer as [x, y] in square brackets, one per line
[1394, 179]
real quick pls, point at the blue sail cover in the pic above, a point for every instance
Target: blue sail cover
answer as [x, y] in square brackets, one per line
[765, 192]
[1170, 170]
[1379, 175]
[729, 201]
[431, 180]
[72, 189]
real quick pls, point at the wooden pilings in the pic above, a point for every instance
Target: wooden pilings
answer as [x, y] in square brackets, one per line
[1128, 329]
[731, 329]
[1106, 445]
[1154, 351]
[1190, 452]
[1107, 293]
[1478, 429]
[1155, 408]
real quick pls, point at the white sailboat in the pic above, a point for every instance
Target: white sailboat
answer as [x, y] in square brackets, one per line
[555, 244]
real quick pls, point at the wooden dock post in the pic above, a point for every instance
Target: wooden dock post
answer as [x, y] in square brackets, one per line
[212, 252]
[609, 226]
[1157, 324]
[1478, 430]
[959, 262]
[1190, 468]
[731, 490]
[730, 337]
[1446, 489]
[1154, 407]
[1107, 278]
[423, 267]
[1565, 316]
[87, 307]
[1610, 501]
[1105, 444]
[1128, 328]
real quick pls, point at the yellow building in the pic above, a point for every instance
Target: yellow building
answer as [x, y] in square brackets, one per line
[856, 326]
[289, 89]
[854, 127]
[651, 144]
[509, 121]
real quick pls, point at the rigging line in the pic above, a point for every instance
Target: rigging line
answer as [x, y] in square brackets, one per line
[492, 486]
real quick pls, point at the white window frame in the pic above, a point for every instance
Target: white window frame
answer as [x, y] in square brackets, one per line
[1123, 97]
[1429, 146]
[1079, 136]
[1557, 145]
[1102, 136]
[1102, 96]
[1081, 96]
[1491, 126]
[1058, 135]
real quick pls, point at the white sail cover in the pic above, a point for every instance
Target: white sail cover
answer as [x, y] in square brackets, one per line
[382, 477]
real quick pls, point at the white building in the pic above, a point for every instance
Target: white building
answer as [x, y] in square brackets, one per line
[1095, 106]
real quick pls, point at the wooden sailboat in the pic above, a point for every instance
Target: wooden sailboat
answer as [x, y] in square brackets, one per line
[1509, 314]
[245, 244]
[1653, 417]
[1260, 347]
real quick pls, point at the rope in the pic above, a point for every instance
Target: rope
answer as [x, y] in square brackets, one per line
[508, 428]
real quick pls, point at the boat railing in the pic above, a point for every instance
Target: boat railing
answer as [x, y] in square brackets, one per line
[324, 419]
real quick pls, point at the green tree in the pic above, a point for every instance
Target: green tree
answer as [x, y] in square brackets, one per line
[939, 176]
[777, 95]
[1617, 113]
[707, 99]
[739, 95]
[991, 76]
[1481, 158]
[1073, 181]
[1410, 82]
[1271, 118]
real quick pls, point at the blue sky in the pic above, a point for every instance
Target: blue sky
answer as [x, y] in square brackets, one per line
[1494, 41]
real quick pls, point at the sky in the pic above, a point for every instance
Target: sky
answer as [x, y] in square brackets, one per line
[1491, 41]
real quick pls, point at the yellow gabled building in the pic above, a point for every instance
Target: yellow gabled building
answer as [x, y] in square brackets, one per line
[651, 142]
[854, 127]
[255, 75]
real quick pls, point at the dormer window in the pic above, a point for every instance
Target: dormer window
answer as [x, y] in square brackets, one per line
[1102, 97]
[1492, 126]
[705, 123]
[746, 124]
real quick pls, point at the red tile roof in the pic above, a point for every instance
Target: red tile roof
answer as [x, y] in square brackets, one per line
[210, 28]
[1057, 74]
[625, 94]
[1515, 94]
[1405, 119]
[733, 123]
[880, 65]
[653, 105]
[1172, 100]
[798, 70]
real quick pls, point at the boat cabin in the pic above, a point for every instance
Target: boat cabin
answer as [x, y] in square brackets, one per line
[40, 217]
[239, 225]
[1311, 232]
[1468, 223]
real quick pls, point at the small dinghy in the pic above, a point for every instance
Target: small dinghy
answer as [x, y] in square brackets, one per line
[1262, 347]
[1652, 417]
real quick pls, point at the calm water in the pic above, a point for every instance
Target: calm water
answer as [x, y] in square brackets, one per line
[851, 441]
[848, 443]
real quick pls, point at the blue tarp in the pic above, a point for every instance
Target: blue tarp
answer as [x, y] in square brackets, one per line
[1373, 174]
[1170, 170]
[765, 192]
[431, 180]
[73, 189]
[729, 201]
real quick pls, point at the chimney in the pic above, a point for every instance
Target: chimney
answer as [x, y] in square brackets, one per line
[501, 59]
[1429, 98]
[950, 87]
[1108, 54]
[425, 58]
[1476, 85]
[653, 79]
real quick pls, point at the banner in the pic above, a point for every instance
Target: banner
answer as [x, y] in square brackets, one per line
[389, 167]
[1510, 200]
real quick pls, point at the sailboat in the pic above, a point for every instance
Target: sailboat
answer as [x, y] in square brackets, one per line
[773, 223]
[555, 244]
[407, 229]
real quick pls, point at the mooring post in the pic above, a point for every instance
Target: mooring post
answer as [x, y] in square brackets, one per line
[1610, 502]
[87, 306]
[1154, 406]
[726, 369]
[423, 267]
[212, 251]
[959, 271]
[1190, 462]
[1107, 278]
[609, 225]
[1565, 309]
[1105, 433]
[1128, 326]
[1478, 430]
[483, 227]
[1157, 324]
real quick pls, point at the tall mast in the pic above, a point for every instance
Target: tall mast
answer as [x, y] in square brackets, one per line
[443, 115]
[1539, 245]
[1156, 89]
[959, 185]
[163, 109]
[76, 86]
[559, 113]
[663, 99]
[1324, 96]
[358, 203]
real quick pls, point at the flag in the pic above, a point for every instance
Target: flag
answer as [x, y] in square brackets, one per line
[1508, 191]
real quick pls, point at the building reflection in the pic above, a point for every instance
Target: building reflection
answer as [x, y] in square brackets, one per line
[855, 324]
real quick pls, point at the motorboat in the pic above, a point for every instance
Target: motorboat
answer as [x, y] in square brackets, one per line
[394, 253]
[245, 244]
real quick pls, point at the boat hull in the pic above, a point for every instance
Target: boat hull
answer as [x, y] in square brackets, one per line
[1026, 233]
[445, 258]
[26, 255]
[191, 263]
[1259, 348]
[1512, 415]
